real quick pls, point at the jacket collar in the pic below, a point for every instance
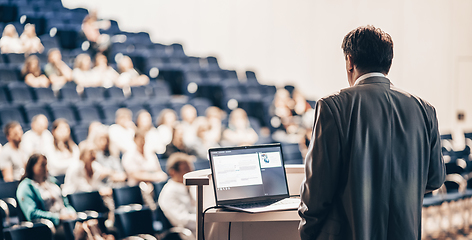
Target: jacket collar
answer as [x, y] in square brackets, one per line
[374, 79]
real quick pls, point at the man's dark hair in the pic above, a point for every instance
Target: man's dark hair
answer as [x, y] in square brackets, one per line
[370, 48]
[10, 125]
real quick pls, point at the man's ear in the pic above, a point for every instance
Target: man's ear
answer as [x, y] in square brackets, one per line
[349, 63]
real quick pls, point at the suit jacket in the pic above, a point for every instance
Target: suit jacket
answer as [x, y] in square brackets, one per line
[375, 150]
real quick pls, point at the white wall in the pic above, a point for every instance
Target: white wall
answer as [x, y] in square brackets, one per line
[298, 42]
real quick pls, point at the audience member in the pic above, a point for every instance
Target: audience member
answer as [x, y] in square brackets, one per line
[39, 139]
[177, 144]
[144, 124]
[12, 156]
[107, 74]
[82, 74]
[39, 195]
[300, 104]
[176, 200]
[166, 121]
[188, 113]
[214, 116]
[86, 175]
[65, 151]
[30, 41]
[109, 158]
[93, 129]
[128, 75]
[203, 140]
[32, 73]
[56, 70]
[10, 42]
[122, 132]
[91, 29]
[142, 166]
[239, 131]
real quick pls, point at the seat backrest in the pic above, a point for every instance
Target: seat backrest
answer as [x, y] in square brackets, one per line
[8, 114]
[94, 93]
[134, 222]
[32, 111]
[64, 112]
[20, 94]
[87, 201]
[88, 114]
[37, 231]
[115, 93]
[127, 195]
[44, 95]
[69, 95]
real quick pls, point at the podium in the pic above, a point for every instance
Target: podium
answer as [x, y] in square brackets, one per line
[220, 224]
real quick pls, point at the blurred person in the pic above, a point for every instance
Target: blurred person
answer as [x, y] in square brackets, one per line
[40, 197]
[239, 131]
[10, 42]
[128, 75]
[177, 201]
[300, 104]
[144, 124]
[86, 175]
[83, 75]
[188, 113]
[57, 70]
[65, 151]
[140, 165]
[12, 157]
[39, 139]
[30, 41]
[177, 144]
[204, 140]
[91, 29]
[109, 158]
[122, 132]
[32, 73]
[105, 73]
[93, 129]
[214, 116]
[166, 121]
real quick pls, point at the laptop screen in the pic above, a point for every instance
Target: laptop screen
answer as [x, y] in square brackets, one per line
[250, 173]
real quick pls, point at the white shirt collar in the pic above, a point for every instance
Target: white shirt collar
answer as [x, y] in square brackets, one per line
[368, 75]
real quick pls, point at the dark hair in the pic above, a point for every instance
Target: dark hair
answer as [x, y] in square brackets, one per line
[370, 48]
[33, 159]
[177, 158]
[68, 143]
[10, 125]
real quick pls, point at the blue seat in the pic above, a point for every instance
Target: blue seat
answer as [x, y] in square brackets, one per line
[127, 195]
[8, 75]
[291, 153]
[87, 201]
[79, 133]
[15, 59]
[10, 113]
[95, 94]
[3, 96]
[108, 110]
[37, 231]
[141, 92]
[134, 222]
[9, 209]
[88, 114]
[115, 94]
[32, 110]
[44, 95]
[161, 89]
[63, 111]
[251, 77]
[69, 94]
[201, 104]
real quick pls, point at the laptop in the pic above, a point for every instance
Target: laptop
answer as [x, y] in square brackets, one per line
[251, 178]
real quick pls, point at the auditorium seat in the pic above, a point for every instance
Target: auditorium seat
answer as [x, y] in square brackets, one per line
[8, 74]
[15, 59]
[44, 95]
[130, 222]
[108, 110]
[69, 94]
[62, 110]
[3, 96]
[95, 94]
[79, 133]
[115, 94]
[19, 92]
[88, 113]
[11, 113]
[127, 195]
[33, 109]
[251, 77]
[201, 104]
[141, 92]
[37, 231]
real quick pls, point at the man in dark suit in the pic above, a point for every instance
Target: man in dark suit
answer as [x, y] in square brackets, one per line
[374, 152]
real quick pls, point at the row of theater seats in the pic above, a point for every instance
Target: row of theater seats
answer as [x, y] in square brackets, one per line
[132, 216]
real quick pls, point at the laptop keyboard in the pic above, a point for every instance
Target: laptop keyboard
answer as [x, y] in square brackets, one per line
[255, 204]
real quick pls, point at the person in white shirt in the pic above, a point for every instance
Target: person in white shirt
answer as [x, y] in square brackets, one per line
[122, 132]
[12, 157]
[128, 75]
[65, 151]
[140, 165]
[10, 42]
[109, 158]
[107, 74]
[86, 175]
[176, 200]
[30, 41]
[166, 121]
[39, 139]
[83, 75]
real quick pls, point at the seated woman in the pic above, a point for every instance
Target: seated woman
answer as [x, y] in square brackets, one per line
[86, 175]
[57, 70]
[239, 131]
[91, 29]
[107, 74]
[10, 42]
[141, 165]
[82, 74]
[39, 195]
[32, 73]
[177, 144]
[65, 151]
[109, 158]
[30, 41]
[165, 123]
[129, 76]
